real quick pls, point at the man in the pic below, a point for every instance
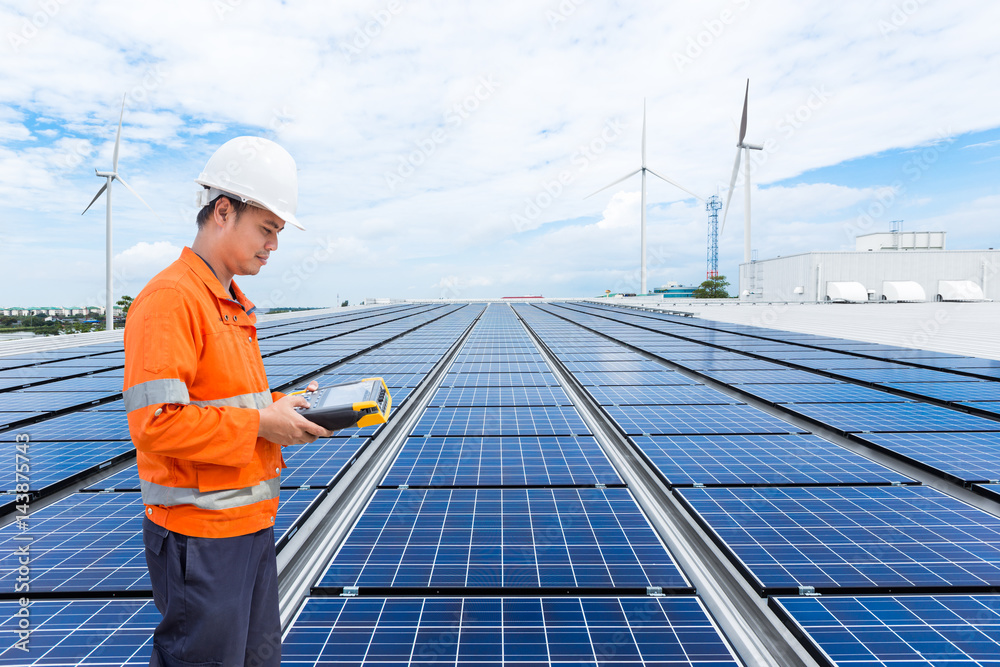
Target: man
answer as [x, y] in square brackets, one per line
[207, 430]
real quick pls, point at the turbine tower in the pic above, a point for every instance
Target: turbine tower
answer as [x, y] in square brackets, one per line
[642, 224]
[742, 145]
[111, 176]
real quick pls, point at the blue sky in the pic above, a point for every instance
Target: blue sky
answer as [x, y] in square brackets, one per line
[447, 148]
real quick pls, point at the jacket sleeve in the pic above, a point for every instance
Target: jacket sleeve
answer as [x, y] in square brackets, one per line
[162, 348]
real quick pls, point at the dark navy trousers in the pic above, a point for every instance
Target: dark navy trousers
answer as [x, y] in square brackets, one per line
[218, 598]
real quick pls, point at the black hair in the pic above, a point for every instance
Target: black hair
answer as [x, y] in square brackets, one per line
[206, 212]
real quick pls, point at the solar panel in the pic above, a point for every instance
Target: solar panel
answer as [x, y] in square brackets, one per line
[892, 417]
[51, 462]
[849, 539]
[964, 457]
[991, 491]
[90, 633]
[664, 377]
[759, 460]
[820, 393]
[638, 365]
[744, 364]
[659, 395]
[318, 463]
[695, 420]
[892, 375]
[501, 462]
[500, 421]
[498, 396]
[500, 367]
[769, 377]
[986, 406]
[77, 426]
[888, 631]
[666, 632]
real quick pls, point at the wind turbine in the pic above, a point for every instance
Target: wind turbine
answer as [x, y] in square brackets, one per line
[113, 176]
[642, 170]
[744, 146]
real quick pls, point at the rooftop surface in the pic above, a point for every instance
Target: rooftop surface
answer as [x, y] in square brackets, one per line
[561, 482]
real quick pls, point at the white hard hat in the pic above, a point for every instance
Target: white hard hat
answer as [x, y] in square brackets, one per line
[256, 171]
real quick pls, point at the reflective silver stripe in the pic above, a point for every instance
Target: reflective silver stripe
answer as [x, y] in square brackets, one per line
[157, 494]
[260, 400]
[168, 390]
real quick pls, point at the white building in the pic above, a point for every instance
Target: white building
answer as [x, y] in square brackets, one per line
[901, 266]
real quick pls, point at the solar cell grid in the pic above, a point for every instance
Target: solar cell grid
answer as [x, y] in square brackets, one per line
[318, 463]
[972, 390]
[992, 407]
[667, 632]
[76, 426]
[851, 538]
[499, 396]
[966, 457]
[499, 380]
[91, 633]
[770, 377]
[659, 395]
[500, 367]
[695, 420]
[759, 460]
[51, 462]
[745, 364]
[520, 538]
[885, 631]
[821, 393]
[500, 421]
[662, 377]
[892, 417]
[501, 462]
[888, 375]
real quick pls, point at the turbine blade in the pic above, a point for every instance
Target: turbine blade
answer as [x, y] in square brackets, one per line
[743, 123]
[99, 193]
[644, 132]
[732, 184]
[614, 184]
[675, 184]
[127, 187]
[118, 138]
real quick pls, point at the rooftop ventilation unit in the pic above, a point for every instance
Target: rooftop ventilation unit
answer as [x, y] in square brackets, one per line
[902, 290]
[959, 290]
[846, 292]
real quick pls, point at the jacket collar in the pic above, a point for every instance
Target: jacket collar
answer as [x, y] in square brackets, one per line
[212, 282]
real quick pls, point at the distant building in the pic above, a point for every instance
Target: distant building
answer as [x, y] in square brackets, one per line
[676, 291]
[900, 266]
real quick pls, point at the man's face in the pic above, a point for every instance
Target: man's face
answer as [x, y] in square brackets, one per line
[250, 240]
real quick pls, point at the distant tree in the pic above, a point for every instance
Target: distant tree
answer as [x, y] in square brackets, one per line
[344, 305]
[713, 288]
[124, 304]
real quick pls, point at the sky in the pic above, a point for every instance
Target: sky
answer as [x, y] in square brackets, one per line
[447, 149]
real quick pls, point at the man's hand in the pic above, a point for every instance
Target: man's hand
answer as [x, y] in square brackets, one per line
[280, 423]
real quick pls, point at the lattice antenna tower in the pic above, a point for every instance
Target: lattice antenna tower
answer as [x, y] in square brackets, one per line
[712, 206]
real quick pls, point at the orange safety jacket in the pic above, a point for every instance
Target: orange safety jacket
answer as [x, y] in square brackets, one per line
[194, 385]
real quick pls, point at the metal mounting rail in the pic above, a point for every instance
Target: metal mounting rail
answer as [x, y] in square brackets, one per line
[757, 635]
[304, 557]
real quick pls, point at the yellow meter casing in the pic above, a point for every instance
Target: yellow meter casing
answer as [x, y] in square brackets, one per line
[361, 403]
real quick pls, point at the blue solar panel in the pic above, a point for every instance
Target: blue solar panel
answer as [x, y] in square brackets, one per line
[498, 396]
[695, 420]
[500, 421]
[90, 633]
[759, 460]
[51, 462]
[898, 631]
[820, 393]
[500, 367]
[849, 539]
[319, 462]
[499, 380]
[991, 491]
[769, 377]
[46, 401]
[666, 632]
[965, 457]
[905, 375]
[83, 425]
[663, 377]
[744, 364]
[521, 538]
[93, 541]
[659, 395]
[892, 417]
[637, 365]
[501, 462]
[992, 407]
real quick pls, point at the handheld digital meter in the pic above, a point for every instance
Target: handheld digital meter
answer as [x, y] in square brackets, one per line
[360, 403]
